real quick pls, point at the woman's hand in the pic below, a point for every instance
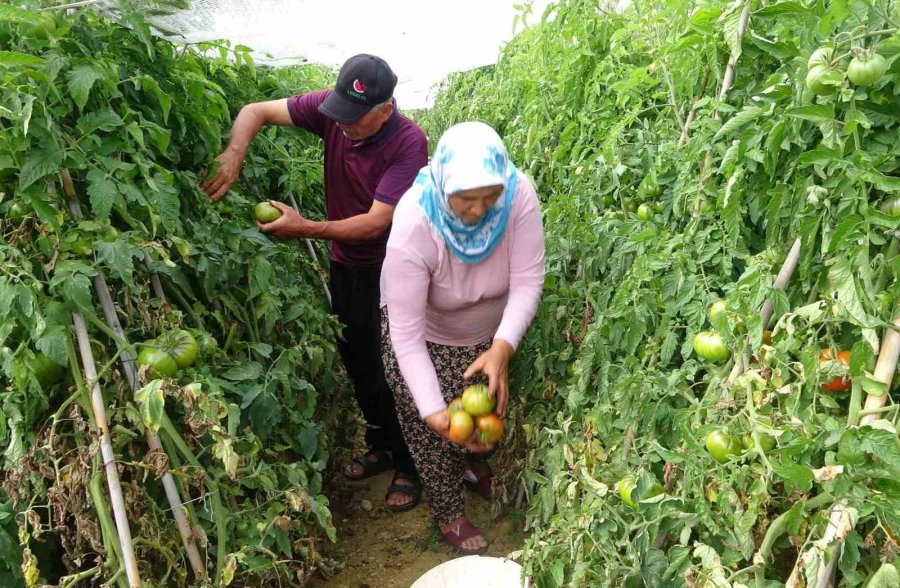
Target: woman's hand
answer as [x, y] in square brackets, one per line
[494, 363]
[440, 424]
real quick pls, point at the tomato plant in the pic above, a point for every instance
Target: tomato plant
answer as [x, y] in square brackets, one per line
[133, 120]
[748, 168]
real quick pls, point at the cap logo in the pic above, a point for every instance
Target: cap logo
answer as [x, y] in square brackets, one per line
[359, 86]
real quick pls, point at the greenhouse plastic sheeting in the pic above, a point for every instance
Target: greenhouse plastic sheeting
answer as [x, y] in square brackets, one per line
[422, 40]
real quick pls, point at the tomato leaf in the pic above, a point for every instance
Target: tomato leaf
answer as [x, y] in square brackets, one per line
[102, 191]
[80, 81]
[814, 113]
[245, 371]
[795, 475]
[151, 404]
[14, 59]
[40, 163]
[54, 343]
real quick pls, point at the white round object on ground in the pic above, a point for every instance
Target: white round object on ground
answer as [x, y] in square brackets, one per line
[492, 572]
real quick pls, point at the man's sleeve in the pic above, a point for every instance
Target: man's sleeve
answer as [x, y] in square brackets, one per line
[304, 111]
[401, 173]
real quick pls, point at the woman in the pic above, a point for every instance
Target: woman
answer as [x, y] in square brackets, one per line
[461, 282]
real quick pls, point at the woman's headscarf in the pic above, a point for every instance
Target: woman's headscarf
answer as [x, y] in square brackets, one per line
[469, 155]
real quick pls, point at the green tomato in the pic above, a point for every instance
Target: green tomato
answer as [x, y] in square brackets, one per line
[161, 363]
[891, 206]
[766, 442]
[476, 400]
[110, 234]
[608, 200]
[625, 487]
[644, 212]
[716, 310]
[47, 371]
[629, 493]
[181, 345]
[266, 213]
[711, 346]
[865, 71]
[722, 446]
[16, 211]
[823, 80]
[821, 56]
[649, 187]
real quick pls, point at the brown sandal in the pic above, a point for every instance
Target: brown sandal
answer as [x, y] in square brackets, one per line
[462, 533]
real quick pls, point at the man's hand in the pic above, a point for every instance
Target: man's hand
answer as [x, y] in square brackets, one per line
[290, 224]
[440, 423]
[229, 164]
[494, 363]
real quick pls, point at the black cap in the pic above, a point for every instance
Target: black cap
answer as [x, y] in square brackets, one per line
[364, 81]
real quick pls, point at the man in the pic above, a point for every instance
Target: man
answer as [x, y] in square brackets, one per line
[372, 156]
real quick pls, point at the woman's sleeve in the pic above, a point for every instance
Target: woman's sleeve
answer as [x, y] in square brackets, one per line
[526, 271]
[407, 276]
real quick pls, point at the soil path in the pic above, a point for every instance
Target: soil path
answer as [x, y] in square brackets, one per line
[386, 550]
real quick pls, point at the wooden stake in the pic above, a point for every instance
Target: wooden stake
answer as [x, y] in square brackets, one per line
[179, 512]
[884, 369]
[109, 461]
[765, 314]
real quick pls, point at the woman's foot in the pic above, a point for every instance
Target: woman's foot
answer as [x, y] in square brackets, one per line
[463, 535]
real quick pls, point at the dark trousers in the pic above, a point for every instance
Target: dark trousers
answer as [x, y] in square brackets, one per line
[355, 297]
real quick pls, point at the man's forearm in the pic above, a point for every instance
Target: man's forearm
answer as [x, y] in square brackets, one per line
[355, 228]
[245, 128]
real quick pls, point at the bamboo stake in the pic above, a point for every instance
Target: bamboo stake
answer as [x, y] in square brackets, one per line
[109, 461]
[765, 314]
[179, 512]
[839, 524]
[727, 82]
[154, 278]
[884, 369]
[312, 251]
[686, 129]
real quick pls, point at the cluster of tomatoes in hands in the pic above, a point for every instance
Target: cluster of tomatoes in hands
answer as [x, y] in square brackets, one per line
[472, 415]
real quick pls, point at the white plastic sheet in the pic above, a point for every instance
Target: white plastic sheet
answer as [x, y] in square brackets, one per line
[422, 40]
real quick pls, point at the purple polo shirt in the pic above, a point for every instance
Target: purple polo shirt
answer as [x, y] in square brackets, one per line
[381, 168]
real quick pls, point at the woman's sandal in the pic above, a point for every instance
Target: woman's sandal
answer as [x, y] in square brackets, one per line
[462, 533]
[412, 488]
[372, 463]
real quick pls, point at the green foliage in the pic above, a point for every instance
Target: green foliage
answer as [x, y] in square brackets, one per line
[134, 121]
[590, 103]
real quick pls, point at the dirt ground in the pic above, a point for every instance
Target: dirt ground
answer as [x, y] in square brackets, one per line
[386, 550]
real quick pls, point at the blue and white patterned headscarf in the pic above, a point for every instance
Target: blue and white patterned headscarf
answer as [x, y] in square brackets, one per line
[469, 155]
